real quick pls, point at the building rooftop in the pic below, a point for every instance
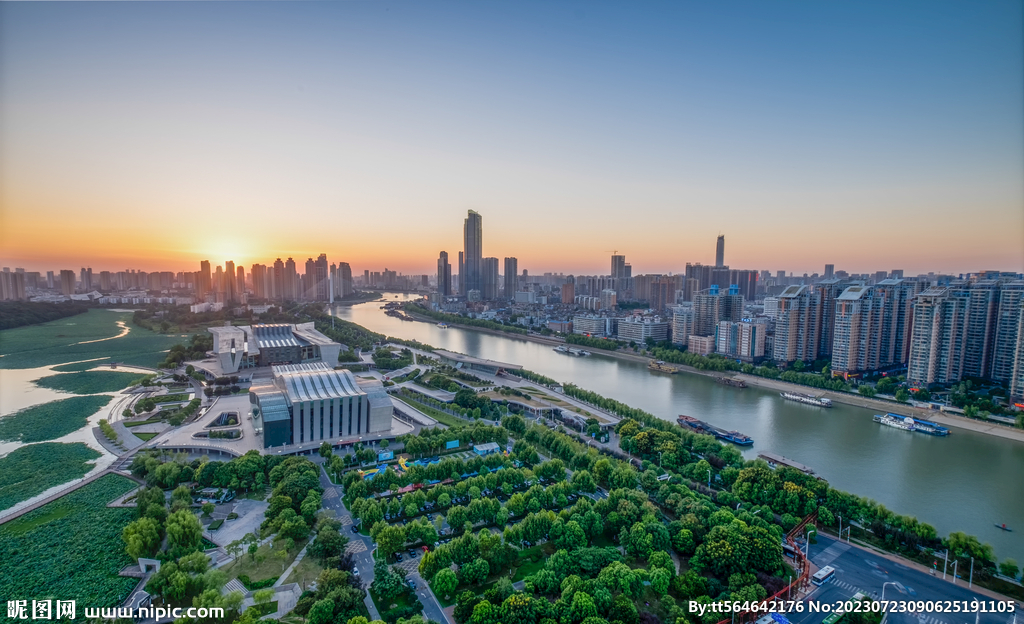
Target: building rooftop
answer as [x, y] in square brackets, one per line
[792, 291]
[853, 293]
[315, 382]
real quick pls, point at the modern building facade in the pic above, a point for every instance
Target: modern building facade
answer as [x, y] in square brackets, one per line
[720, 251]
[489, 279]
[639, 329]
[741, 341]
[712, 305]
[311, 402]
[682, 325]
[236, 348]
[797, 325]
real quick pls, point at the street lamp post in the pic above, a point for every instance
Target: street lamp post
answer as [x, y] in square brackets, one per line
[709, 478]
[970, 583]
[883, 591]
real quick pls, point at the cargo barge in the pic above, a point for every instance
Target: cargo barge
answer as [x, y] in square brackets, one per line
[702, 427]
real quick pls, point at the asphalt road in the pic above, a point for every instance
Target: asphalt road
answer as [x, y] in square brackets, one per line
[860, 570]
[364, 557]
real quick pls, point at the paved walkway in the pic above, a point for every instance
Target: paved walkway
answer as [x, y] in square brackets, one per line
[299, 557]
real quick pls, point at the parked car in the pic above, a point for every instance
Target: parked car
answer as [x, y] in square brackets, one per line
[412, 553]
[355, 529]
[398, 556]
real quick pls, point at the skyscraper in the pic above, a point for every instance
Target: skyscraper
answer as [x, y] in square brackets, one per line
[720, 251]
[444, 275]
[511, 277]
[830, 270]
[618, 267]
[205, 280]
[488, 279]
[319, 286]
[473, 239]
[291, 281]
[462, 273]
[345, 286]
[711, 306]
[277, 281]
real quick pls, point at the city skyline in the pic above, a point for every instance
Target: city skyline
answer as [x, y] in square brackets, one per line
[806, 134]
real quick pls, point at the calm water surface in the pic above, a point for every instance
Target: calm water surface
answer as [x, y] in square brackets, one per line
[965, 482]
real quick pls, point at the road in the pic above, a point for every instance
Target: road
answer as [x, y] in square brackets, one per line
[361, 547]
[862, 570]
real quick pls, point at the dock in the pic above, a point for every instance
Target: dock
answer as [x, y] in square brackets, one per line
[778, 460]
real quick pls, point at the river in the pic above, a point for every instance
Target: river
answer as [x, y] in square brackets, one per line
[965, 482]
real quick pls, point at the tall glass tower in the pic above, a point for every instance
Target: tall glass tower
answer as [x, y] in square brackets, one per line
[473, 234]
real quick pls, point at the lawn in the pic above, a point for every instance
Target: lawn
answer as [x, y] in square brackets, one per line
[61, 341]
[438, 415]
[33, 469]
[90, 382]
[261, 610]
[270, 567]
[52, 420]
[145, 437]
[305, 573]
[70, 548]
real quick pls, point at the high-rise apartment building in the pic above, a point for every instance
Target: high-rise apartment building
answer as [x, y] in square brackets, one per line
[682, 325]
[936, 341]
[86, 279]
[489, 279]
[711, 306]
[609, 299]
[830, 270]
[740, 341]
[473, 239]
[345, 284]
[511, 278]
[291, 281]
[205, 285]
[797, 325]
[663, 294]
[618, 267]
[1007, 332]
[568, 292]
[828, 290]
[67, 282]
[720, 251]
[444, 275]
[277, 281]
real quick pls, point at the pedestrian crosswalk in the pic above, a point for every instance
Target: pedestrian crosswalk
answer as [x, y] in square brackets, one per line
[330, 493]
[830, 554]
[850, 587]
[355, 546]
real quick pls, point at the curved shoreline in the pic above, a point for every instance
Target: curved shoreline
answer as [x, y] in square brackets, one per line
[856, 400]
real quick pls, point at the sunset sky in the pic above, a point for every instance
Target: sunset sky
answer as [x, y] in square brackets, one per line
[870, 135]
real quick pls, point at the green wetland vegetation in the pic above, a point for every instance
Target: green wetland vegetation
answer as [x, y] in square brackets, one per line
[90, 382]
[60, 341]
[52, 420]
[70, 548]
[75, 367]
[33, 469]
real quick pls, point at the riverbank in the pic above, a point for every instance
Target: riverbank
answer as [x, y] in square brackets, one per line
[846, 398]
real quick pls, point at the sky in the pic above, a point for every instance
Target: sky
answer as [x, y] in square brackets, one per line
[868, 135]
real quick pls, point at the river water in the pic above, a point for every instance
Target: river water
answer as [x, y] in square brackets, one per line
[965, 482]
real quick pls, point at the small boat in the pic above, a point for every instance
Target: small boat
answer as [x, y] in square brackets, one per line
[1004, 527]
[443, 325]
[661, 367]
[731, 381]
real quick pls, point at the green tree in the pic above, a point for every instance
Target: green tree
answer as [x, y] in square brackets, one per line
[390, 539]
[208, 509]
[902, 395]
[184, 533]
[444, 583]
[1008, 567]
[322, 612]
[141, 538]
[325, 451]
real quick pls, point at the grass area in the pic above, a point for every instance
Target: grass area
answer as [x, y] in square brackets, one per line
[148, 421]
[145, 437]
[438, 415]
[33, 469]
[305, 572]
[71, 547]
[75, 367]
[52, 420]
[271, 565]
[404, 599]
[90, 382]
[170, 398]
[61, 341]
[216, 524]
